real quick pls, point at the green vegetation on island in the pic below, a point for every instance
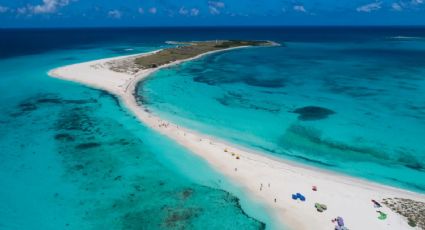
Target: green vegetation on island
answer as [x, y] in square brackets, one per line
[189, 50]
[414, 211]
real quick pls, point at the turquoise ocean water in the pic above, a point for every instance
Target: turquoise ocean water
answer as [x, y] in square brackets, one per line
[350, 100]
[72, 158]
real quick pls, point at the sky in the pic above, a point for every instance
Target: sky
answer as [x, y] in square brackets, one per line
[110, 13]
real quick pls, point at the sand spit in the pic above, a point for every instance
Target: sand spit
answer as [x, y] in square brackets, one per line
[273, 182]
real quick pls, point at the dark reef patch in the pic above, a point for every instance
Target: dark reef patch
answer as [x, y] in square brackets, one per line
[39, 101]
[105, 94]
[311, 113]
[234, 99]
[410, 161]
[273, 92]
[49, 100]
[121, 141]
[179, 218]
[186, 193]
[27, 107]
[123, 186]
[64, 137]
[116, 178]
[416, 111]
[310, 140]
[76, 122]
[54, 99]
[216, 80]
[415, 166]
[270, 110]
[337, 86]
[68, 58]
[306, 159]
[228, 78]
[88, 145]
[270, 83]
[317, 162]
[407, 184]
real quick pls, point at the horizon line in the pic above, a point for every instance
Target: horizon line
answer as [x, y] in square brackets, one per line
[217, 26]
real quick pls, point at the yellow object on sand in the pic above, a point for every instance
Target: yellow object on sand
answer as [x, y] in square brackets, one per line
[225, 150]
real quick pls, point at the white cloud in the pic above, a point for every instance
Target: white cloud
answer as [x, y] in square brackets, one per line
[213, 10]
[48, 6]
[153, 10]
[3, 9]
[300, 8]
[194, 12]
[369, 7]
[114, 14]
[397, 7]
[406, 5]
[191, 12]
[22, 10]
[141, 10]
[183, 11]
[215, 6]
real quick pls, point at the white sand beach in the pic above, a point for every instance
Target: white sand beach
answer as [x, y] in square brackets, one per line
[269, 180]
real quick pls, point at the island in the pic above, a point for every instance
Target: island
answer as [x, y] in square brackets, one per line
[295, 195]
[183, 51]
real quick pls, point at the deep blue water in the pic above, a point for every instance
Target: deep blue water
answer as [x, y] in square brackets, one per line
[16, 42]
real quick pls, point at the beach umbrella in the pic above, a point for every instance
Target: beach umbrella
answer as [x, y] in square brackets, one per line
[340, 221]
[382, 216]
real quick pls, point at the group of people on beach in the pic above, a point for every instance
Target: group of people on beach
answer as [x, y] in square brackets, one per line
[164, 124]
[338, 221]
[268, 185]
[261, 186]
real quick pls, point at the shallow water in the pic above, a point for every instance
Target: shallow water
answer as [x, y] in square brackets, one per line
[352, 103]
[73, 158]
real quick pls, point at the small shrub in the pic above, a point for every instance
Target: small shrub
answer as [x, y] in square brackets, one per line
[411, 222]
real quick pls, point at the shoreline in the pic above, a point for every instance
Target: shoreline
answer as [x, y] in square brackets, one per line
[345, 196]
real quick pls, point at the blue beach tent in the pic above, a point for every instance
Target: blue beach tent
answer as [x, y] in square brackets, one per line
[301, 197]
